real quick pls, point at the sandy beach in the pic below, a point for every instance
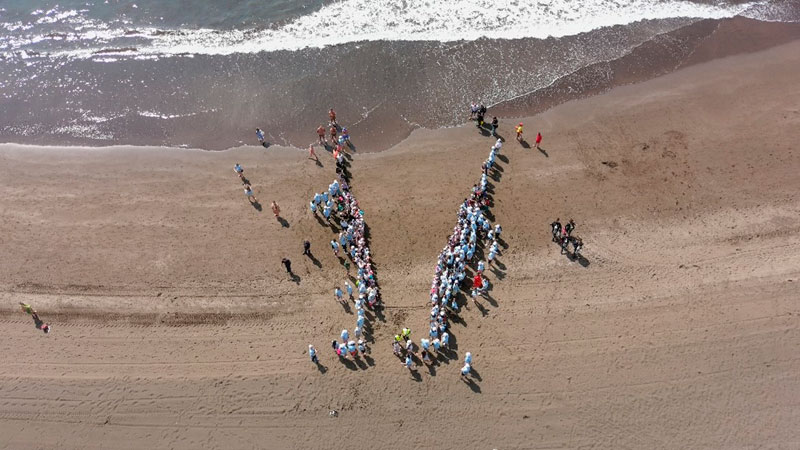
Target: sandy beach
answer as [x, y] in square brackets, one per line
[175, 326]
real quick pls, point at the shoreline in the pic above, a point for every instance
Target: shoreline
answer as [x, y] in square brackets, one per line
[382, 127]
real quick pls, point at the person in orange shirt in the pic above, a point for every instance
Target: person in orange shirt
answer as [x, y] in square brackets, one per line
[321, 134]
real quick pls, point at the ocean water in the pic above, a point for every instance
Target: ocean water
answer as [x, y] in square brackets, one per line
[205, 73]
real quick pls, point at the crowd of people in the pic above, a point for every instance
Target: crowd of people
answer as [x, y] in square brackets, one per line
[562, 235]
[338, 206]
[473, 230]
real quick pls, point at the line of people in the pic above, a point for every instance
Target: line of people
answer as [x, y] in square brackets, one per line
[472, 230]
[338, 205]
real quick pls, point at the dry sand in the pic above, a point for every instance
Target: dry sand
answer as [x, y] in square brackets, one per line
[174, 325]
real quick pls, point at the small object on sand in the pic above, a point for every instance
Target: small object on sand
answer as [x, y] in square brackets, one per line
[333, 413]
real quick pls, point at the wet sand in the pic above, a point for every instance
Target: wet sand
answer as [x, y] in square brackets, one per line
[174, 325]
[382, 91]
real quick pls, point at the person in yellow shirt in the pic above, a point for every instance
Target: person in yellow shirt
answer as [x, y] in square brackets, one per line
[519, 132]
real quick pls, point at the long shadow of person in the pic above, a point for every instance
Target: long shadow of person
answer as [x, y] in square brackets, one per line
[524, 143]
[284, 223]
[257, 206]
[544, 152]
[583, 261]
[472, 384]
[349, 364]
[315, 260]
[321, 368]
[498, 274]
[475, 374]
[295, 278]
[415, 375]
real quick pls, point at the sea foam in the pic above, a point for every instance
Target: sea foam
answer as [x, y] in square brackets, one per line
[348, 21]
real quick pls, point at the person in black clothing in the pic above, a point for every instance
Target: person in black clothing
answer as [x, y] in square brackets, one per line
[288, 264]
[307, 248]
[569, 227]
[495, 122]
[556, 228]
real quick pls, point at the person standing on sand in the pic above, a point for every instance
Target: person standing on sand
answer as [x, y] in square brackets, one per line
[288, 265]
[321, 135]
[538, 139]
[495, 123]
[239, 171]
[276, 209]
[307, 248]
[398, 351]
[333, 132]
[248, 191]
[260, 136]
[311, 153]
[519, 132]
[473, 110]
[465, 370]
[335, 247]
[332, 117]
[406, 334]
[409, 363]
[337, 293]
[312, 352]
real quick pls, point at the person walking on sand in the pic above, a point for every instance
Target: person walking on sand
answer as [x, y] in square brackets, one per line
[260, 136]
[409, 363]
[311, 153]
[321, 135]
[312, 352]
[337, 293]
[276, 209]
[465, 370]
[495, 123]
[26, 308]
[349, 289]
[406, 334]
[288, 264]
[239, 171]
[307, 248]
[538, 140]
[335, 247]
[332, 117]
[248, 191]
[397, 349]
[519, 132]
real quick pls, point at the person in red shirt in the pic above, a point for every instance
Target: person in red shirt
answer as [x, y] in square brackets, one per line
[333, 134]
[332, 116]
[538, 139]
